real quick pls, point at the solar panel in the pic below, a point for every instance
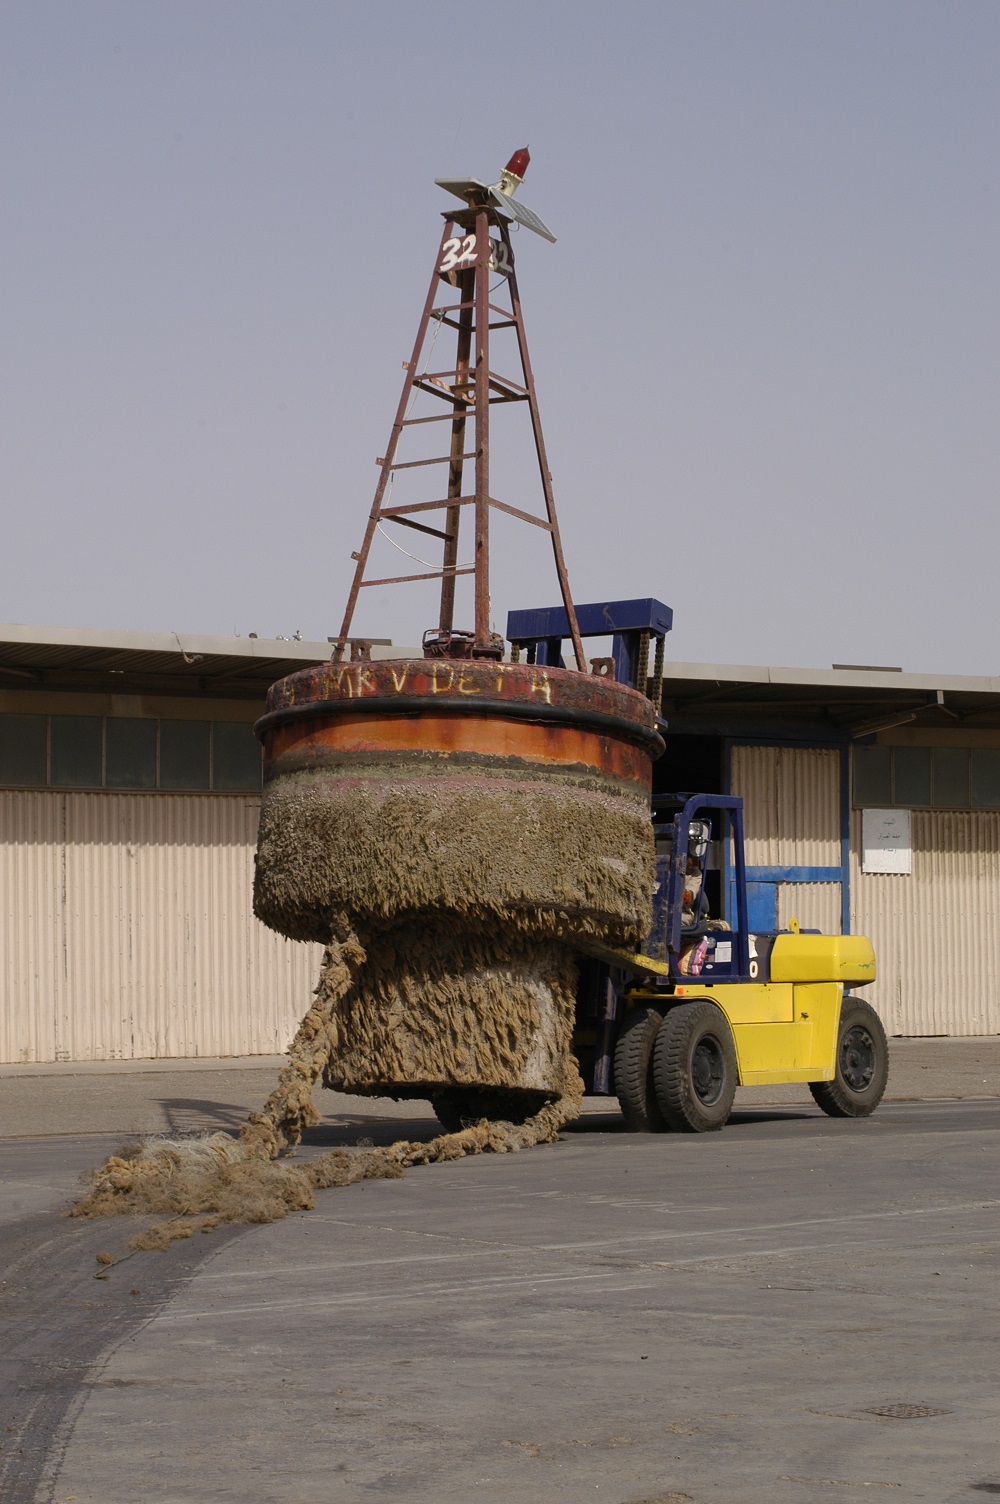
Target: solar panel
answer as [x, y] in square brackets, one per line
[522, 214]
[462, 187]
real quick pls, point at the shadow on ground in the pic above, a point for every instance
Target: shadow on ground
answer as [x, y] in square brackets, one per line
[193, 1115]
[186, 1115]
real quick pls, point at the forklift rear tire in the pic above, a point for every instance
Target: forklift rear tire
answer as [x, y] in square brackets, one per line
[694, 1068]
[862, 1064]
[634, 1070]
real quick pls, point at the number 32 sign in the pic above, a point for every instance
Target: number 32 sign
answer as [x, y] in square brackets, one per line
[461, 253]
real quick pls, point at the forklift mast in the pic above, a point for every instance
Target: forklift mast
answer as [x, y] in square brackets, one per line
[633, 626]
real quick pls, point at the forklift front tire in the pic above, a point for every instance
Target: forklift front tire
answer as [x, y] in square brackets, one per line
[634, 1070]
[862, 1064]
[694, 1067]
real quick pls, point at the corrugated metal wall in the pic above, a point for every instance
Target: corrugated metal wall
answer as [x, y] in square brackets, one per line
[792, 819]
[792, 809]
[32, 929]
[937, 931]
[128, 931]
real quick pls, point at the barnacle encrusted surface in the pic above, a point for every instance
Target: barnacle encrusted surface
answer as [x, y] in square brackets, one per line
[472, 893]
[562, 853]
[452, 881]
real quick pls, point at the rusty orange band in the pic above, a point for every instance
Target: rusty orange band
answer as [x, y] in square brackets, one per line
[550, 744]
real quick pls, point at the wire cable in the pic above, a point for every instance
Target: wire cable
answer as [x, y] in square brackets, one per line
[426, 562]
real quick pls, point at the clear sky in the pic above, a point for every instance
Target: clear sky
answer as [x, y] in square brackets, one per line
[766, 343]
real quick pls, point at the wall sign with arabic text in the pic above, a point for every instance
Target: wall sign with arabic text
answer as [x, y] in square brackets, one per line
[886, 845]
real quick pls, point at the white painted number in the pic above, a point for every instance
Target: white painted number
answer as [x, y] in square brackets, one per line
[500, 260]
[460, 253]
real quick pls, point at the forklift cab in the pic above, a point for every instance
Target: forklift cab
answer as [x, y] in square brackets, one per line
[699, 865]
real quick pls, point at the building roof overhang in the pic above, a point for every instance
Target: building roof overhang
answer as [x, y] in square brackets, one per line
[841, 703]
[171, 663]
[708, 697]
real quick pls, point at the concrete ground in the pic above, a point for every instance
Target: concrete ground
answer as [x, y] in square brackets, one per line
[797, 1308]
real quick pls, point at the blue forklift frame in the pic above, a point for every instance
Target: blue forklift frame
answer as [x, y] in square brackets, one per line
[541, 631]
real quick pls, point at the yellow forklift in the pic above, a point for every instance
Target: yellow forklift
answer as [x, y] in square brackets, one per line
[708, 1004]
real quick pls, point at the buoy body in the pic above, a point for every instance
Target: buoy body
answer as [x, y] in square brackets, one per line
[474, 820]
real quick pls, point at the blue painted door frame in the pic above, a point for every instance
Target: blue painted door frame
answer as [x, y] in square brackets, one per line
[762, 906]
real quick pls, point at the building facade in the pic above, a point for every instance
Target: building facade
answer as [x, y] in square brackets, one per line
[129, 799]
[872, 805]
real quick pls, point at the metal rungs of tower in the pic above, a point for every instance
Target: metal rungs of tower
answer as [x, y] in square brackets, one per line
[471, 388]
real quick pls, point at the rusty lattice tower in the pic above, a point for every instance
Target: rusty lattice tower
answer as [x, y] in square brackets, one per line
[475, 249]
